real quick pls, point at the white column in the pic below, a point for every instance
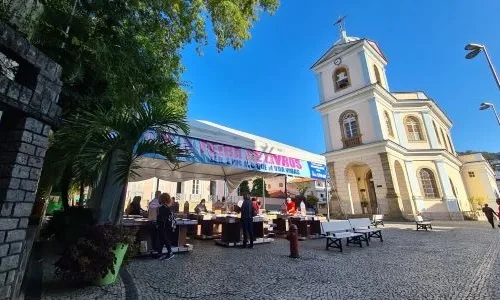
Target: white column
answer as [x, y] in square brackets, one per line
[364, 67]
[377, 128]
[326, 132]
[398, 122]
[429, 129]
[350, 196]
[448, 196]
[414, 186]
[320, 87]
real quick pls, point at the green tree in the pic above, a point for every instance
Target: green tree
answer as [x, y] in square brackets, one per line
[302, 188]
[121, 53]
[244, 188]
[108, 143]
[258, 185]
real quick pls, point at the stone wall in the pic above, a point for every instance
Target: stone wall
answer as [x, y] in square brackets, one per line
[29, 93]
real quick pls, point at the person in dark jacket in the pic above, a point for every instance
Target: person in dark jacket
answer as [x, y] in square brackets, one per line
[134, 208]
[247, 213]
[164, 222]
[201, 208]
[489, 212]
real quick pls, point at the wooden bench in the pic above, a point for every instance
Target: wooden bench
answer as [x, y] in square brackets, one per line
[421, 224]
[337, 230]
[364, 226]
[378, 220]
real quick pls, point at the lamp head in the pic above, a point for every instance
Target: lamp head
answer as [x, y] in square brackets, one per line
[473, 46]
[485, 105]
[473, 53]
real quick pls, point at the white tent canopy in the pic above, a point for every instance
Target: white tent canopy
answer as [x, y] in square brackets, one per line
[222, 153]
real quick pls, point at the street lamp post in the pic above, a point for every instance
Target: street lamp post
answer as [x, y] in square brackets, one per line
[486, 105]
[474, 51]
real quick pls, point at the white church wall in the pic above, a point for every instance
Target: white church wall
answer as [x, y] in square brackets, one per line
[458, 183]
[415, 144]
[365, 120]
[382, 107]
[352, 62]
[372, 61]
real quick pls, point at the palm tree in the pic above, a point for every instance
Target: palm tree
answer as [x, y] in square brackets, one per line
[107, 143]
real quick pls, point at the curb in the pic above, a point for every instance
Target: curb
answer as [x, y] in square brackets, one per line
[131, 292]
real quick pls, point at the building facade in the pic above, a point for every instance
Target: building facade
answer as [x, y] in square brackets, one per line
[388, 152]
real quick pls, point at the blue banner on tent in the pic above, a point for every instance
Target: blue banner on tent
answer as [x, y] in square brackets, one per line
[207, 152]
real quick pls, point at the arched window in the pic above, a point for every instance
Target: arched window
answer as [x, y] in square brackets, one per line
[388, 123]
[449, 143]
[377, 74]
[351, 135]
[428, 181]
[436, 131]
[444, 139]
[414, 129]
[453, 188]
[341, 78]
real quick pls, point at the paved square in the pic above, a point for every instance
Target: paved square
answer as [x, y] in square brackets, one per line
[454, 261]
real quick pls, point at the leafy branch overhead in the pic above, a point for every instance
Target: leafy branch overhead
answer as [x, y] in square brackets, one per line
[96, 135]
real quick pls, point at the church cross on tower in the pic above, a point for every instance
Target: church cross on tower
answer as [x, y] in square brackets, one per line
[341, 24]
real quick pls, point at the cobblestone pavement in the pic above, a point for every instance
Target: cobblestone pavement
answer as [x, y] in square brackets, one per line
[454, 261]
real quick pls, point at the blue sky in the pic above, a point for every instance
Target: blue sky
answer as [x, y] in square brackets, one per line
[267, 88]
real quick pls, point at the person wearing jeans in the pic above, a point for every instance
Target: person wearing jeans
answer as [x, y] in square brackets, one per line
[247, 213]
[164, 223]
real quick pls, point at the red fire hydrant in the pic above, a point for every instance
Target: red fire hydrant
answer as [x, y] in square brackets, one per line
[293, 237]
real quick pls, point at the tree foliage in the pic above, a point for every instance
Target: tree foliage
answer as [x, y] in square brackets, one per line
[258, 185]
[302, 188]
[244, 188]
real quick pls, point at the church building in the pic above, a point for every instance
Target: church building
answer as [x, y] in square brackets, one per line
[391, 152]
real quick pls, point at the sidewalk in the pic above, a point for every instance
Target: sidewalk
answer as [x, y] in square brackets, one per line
[457, 260]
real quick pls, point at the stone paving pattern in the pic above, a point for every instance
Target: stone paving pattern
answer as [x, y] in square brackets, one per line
[455, 261]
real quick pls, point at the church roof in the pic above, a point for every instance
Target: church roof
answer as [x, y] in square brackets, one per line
[336, 49]
[344, 44]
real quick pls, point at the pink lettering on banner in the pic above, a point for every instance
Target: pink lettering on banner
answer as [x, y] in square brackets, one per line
[286, 162]
[237, 153]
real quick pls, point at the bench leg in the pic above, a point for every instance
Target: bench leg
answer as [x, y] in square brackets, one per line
[333, 243]
[376, 234]
[366, 238]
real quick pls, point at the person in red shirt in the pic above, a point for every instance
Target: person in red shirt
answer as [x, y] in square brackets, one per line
[290, 206]
[256, 206]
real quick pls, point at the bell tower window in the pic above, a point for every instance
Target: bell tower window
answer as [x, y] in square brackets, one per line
[341, 78]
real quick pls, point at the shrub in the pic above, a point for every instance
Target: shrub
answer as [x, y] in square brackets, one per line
[91, 256]
[364, 203]
[311, 200]
[68, 225]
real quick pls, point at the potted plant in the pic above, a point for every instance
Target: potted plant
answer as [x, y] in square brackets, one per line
[364, 205]
[97, 256]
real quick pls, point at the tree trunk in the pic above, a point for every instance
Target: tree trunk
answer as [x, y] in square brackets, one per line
[108, 197]
[66, 184]
[82, 193]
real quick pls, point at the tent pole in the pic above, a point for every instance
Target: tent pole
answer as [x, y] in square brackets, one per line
[263, 193]
[327, 200]
[286, 191]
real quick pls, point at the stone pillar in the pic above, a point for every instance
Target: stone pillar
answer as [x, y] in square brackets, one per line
[392, 197]
[334, 201]
[448, 195]
[414, 187]
[28, 98]
[23, 142]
